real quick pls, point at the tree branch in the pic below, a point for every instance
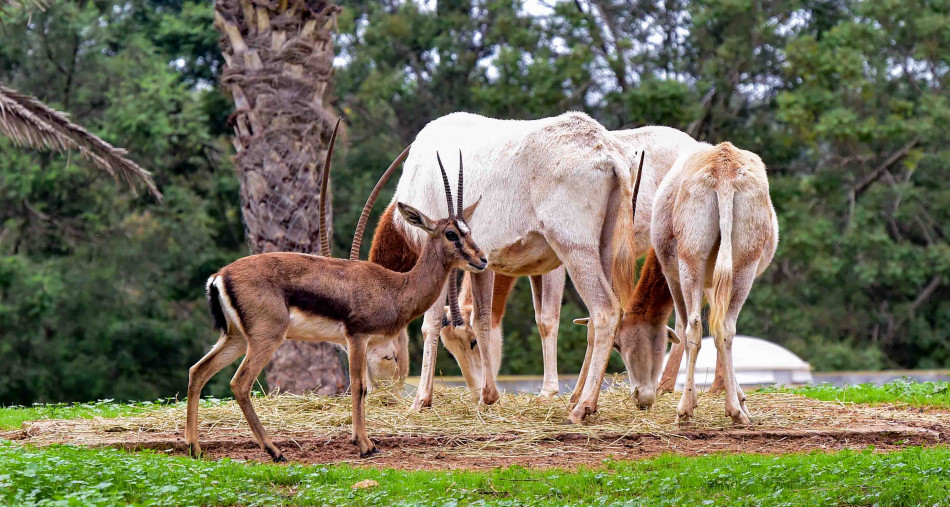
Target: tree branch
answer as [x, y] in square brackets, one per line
[879, 171]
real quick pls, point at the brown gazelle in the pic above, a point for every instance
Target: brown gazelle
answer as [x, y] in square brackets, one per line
[259, 301]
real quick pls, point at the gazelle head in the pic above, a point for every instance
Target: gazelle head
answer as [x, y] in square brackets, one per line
[452, 233]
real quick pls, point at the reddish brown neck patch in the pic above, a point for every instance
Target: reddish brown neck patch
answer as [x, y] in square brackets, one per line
[652, 301]
[390, 248]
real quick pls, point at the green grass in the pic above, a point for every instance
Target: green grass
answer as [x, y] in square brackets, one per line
[13, 417]
[917, 394]
[69, 475]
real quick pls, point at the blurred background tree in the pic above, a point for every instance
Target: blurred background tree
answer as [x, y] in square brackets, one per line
[846, 101]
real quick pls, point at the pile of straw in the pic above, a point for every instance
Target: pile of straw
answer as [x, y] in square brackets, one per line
[518, 423]
[523, 416]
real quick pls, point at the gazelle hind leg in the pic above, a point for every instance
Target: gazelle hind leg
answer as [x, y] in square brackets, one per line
[259, 352]
[735, 398]
[548, 291]
[225, 351]
[691, 281]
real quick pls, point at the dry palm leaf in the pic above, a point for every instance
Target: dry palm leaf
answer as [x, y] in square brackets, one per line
[29, 122]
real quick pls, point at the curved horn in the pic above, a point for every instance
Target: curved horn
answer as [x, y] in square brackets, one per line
[636, 186]
[458, 194]
[364, 215]
[454, 310]
[445, 182]
[324, 184]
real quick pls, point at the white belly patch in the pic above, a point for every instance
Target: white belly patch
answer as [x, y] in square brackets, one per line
[314, 328]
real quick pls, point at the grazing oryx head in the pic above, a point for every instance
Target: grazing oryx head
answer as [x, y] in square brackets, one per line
[453, 232]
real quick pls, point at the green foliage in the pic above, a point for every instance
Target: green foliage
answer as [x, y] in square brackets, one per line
[14, 417]
[916, 394]
[72, 475]
[101, 293]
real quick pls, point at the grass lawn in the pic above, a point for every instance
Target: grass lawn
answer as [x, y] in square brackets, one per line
[68, 475]
[78, 476]
[916, 394]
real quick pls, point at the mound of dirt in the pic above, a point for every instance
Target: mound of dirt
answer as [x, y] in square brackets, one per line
[520, 430]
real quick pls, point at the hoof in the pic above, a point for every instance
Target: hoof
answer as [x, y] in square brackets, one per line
[365, 454]
[489, 399]
[683, 419]
[741, 420]
[417, 406]
[580, 412]
[280, 459]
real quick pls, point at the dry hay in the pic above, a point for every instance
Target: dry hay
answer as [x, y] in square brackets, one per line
[518, 425]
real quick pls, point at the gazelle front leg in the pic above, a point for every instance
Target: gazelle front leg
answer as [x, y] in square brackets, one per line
[356, 348]
[431, 327]
[482, 286]
[548, 291]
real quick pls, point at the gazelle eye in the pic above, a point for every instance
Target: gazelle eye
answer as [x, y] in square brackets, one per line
[451, 236]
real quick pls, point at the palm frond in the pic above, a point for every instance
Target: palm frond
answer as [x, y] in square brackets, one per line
[29, 122]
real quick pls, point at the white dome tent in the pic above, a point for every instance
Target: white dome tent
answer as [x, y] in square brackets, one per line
[757, 362]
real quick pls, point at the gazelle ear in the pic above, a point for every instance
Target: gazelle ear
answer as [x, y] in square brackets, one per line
[671, 335]
[470, 210]
[416, 218]
[582, 322]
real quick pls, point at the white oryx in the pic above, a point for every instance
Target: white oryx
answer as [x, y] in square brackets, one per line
[714, 229]
[663, 145]
[559, 190]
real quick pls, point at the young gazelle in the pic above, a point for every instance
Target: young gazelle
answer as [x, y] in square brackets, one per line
[714, 229]
[259, 301]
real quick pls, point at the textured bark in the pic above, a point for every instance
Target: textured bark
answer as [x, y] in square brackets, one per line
[278, 64]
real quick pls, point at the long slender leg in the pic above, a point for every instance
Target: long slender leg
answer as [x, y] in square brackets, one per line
[548, 291]
[691, 280]
[481, 299]
[259, 352]
[225, 351]
[401, 343]
[431, 326]
[735, 398]
[501, 289]
[586, 270]
[585, 368]
[717, 385]
[668, 382]
[356, 345]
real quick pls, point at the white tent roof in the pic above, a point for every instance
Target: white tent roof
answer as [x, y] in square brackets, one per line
[755, 360]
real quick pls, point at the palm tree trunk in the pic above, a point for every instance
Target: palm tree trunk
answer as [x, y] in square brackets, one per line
[278, 64]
